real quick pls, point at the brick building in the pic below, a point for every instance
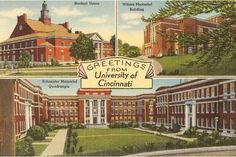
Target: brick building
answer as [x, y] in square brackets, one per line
[45, 40]
[140, 108]
[158, 35]
[205, 104]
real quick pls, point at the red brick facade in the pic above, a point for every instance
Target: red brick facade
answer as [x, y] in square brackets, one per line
[158, 34]
[210, 105]
[45, 41]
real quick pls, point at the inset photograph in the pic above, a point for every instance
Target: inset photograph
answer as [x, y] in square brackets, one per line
[48, 38]
[49, 117]
[180, 37]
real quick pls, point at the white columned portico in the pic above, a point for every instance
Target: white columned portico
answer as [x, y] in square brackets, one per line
[28, 115]
[190, 114]
[91, 111]
[99, 111]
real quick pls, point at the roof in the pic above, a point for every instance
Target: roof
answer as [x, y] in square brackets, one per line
[46, 44]
[39, 26]
[90, 35]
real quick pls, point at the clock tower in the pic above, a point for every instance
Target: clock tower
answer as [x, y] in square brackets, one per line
[45, 14]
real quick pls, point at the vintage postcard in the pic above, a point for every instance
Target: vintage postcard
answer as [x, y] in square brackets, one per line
[117, 78]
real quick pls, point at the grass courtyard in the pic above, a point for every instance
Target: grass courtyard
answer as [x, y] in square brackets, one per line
[117, 141]
[178, 65]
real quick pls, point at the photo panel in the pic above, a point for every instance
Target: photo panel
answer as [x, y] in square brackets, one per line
[49, 38]
[197, 40]
[44, 115]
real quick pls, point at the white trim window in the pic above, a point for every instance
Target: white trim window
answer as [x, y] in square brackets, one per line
[232, 107]
[224, 107]
[232, 87]
[212, 107]
[232, 124]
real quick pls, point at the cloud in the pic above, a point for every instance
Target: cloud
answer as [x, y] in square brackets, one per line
[67, 12]
[134, 22]
[125, 26]
[130, 16]
[15, 12]
[4, 22]
[94, 20]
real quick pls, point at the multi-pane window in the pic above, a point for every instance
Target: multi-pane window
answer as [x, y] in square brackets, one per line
[212, 108]
[232, 107]
[224, 107]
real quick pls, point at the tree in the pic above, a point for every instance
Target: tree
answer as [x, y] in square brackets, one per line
[220, 42]
[24, 59]
[113, 43]
[82, 48]
[128, 50]
[133, 51]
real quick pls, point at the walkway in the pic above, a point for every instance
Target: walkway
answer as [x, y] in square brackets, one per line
[209, 151]
[171, 135]
[56, 146]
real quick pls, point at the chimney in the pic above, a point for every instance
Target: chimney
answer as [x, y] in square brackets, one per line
[66, 25]
[22, 18]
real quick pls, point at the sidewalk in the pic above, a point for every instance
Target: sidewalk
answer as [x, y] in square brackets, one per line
[56, 146]
[188, 152]
[171, 135]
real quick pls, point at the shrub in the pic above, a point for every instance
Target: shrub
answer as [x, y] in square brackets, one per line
[128, 149]
[150, 126]
[176, 128]
[191, 132]
[162, 128]
[149, 146]
[54, 62]
[36, 132]
[80, 149]
[24, 147]
[119, 125]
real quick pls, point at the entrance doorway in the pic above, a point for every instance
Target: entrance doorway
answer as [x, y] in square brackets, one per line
[190, 114]
[95, 120]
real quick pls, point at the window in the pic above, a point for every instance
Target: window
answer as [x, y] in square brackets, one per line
[232, 107]
[232, 87]
[224, 124]
[225, 88]
[212, 122]
[202, 122]
[232, 124]
[62, 43]
[207, 108]
[212, 108]
[198, 108]
[203, 108]
[224, 107]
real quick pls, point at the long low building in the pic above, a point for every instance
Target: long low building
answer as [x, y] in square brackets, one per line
[207, 104]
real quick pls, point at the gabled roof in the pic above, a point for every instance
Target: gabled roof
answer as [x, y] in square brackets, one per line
[90, 35]
[39, 26]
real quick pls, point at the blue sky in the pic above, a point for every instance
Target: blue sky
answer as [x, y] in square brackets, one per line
[86, 18]
[130, 25]
[73, 87]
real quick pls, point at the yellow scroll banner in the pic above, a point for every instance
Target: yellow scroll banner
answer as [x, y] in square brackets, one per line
[116, 72]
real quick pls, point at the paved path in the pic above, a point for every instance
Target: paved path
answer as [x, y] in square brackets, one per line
[209, 151]
[171, 135]
[157, 66]
[56, 146]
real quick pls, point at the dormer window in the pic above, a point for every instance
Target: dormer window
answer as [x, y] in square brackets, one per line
[20, 27]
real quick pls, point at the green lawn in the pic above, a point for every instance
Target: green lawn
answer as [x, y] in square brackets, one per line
[177, 65]
[111, 141]
[38, 149]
